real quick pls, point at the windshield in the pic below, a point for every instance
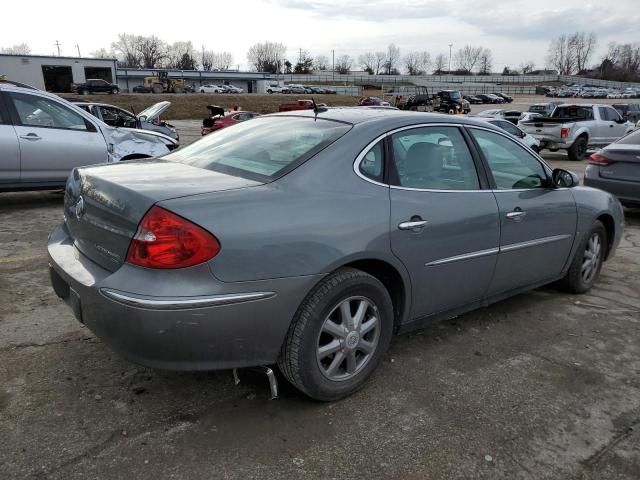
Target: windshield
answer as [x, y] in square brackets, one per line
[538, 108]
[455, 95]
[263, 148]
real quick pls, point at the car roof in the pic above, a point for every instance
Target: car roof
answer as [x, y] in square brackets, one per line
[395, 118]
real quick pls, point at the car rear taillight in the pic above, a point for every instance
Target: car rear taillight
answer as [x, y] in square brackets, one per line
[599, 159]
[564, 133]
[166, 240]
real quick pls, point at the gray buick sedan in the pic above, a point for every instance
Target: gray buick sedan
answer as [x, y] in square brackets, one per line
[308, 239]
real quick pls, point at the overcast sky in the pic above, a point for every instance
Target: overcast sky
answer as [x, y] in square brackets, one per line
[515, 30]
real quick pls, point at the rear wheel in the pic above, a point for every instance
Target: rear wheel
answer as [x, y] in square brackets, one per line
[157, 88]
[578, 151]
[338, 336]
[586, 265]
[84, 92]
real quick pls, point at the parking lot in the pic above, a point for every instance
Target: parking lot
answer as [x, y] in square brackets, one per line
[543, 385]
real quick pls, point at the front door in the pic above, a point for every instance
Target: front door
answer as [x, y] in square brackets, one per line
[53, 139]
[9, 149]
[537, 221]
[444, 227]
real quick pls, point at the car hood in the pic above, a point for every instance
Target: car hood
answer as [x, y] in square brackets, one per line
[130, 141]
[154, 111]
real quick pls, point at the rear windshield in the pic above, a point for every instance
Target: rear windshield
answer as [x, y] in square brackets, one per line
[538, 108]
[262, 148]
[632, 139]
[581, 113]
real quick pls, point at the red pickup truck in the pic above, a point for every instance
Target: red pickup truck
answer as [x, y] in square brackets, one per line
[299, 105]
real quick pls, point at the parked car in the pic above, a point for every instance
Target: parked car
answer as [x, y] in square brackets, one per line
[512, 116]
[209, 88]
[509, 127]
[487, 98]
[275, 88]
[142, 89]
[295, 88]
[472, 99]
[616, 169]
[265, 243]
[504, 96]
[529, 116]
[43, 137]
[298, 105]
[148, 119]
[630, 111]
[448, 101]
[219, 119]
[544, 109]
[94, 85]
[369, 101]
[233, 89]
[576, 128]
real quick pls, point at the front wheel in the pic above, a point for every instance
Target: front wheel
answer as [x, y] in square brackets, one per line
[338, 335]
[114, 91]
[586, 265]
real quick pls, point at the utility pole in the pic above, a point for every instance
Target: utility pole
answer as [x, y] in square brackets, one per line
[333, 61]
[450, 46]
[300, 57]
[57, 44]
[78, 47]
[203, 57]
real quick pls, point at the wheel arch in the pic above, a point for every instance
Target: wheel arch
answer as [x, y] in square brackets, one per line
[610, 226]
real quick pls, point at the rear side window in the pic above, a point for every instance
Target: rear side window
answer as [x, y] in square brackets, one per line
[433, 158]
[371, 165]
[632, 139]
[263, 148]
[579, 113]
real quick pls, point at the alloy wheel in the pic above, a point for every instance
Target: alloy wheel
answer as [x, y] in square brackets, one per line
[348, 338]
[591, 259]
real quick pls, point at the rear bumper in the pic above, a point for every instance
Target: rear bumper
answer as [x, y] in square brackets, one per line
[235, 325]
[627, 192]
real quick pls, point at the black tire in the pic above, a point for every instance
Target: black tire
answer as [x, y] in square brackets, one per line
[269, 91]
[114, 91]
[298, 360]
[578, 151]
[84, 92]
[574, 281]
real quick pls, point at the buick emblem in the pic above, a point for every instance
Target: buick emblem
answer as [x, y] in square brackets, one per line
[79, 208]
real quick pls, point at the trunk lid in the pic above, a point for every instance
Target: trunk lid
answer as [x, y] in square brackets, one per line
[103, 204]
[625, 164]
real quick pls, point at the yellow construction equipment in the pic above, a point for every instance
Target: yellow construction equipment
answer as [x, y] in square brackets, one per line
[163, 84]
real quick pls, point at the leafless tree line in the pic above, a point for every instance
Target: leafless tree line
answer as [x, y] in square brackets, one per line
[570, 54]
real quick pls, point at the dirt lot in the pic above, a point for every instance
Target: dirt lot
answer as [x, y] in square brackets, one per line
[544, 385]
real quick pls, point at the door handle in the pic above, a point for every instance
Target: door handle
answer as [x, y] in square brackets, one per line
[516, 215]
[31, 136]
[412, 225]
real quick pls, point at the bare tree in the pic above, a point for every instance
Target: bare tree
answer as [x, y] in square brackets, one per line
[440, 63]
[344, 64]
[485, 63]
[103, 53]
[127, 51]
[562, 55]
[583, 45]
[267, 56]
[304, 64]
[417, 63]
[527, 67]
[321, 62]
[216, 60]
[153, 51]
[19, 49]
[181, 55]
[368, 62]
[467, 58]
[381, 57]
[392, 59]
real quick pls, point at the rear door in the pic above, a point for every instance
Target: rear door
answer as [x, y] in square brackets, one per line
[444, 226]
[9, 148]
[53, 138]
[615, 127]
[537, 222]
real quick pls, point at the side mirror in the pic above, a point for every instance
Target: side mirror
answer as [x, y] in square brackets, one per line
[564, 178]
[142, 118]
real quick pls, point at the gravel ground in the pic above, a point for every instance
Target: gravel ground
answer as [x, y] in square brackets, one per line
[542, 386]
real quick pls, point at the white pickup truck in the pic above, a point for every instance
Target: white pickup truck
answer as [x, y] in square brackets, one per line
[576, 128]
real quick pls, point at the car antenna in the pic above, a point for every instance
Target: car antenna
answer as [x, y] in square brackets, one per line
[316, 108]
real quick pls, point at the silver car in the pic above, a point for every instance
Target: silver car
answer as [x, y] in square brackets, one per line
[147, 119]
[43, 137]
[308, 239]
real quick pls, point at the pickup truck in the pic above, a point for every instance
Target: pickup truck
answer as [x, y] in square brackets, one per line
[576, 128]
[299, 105]
[94, 85]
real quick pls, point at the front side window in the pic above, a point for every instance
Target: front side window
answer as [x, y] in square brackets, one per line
[433, 158]
[511, 165]
[117, 118]
[42, 112]
[263, 148]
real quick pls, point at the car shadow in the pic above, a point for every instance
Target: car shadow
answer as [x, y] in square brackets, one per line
[32, 199]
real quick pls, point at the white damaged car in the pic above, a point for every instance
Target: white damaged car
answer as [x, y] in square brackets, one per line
[43, 137]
